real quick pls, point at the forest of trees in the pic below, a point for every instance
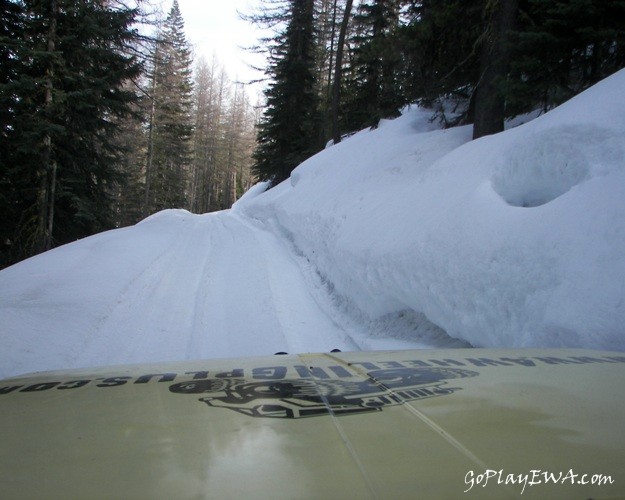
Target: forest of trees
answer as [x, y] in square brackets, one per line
[474, 62]
[106, 118]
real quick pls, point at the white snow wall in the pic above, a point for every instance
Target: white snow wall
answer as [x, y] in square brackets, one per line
[516, 239]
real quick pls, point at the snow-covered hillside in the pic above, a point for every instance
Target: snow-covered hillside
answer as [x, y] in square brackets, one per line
[516, 239]
[387, 240]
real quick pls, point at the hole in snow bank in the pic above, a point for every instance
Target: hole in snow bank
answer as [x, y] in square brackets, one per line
[545, 165]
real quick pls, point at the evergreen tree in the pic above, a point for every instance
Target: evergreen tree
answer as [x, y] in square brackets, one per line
[328, 16]
[289, 129]
[490, 102]
[130, 141]
[338, 73]
[170, 124]
[373, 89]
[67, 88]
[11, 66]
[561, 48]
[440, 52]
[494, 59]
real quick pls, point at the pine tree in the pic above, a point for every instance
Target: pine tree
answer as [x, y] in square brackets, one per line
[11, 66]
[440, 53]
[467, 53]
[289, 129]
[373, 88]
[338, 73]
[327, 21]
[170, 118]
[130, 141]
[561, 48]
[68, 88]
[490, 102]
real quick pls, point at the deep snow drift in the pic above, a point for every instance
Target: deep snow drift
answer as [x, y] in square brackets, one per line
[516, 239]
[176, 286]
[387, 240]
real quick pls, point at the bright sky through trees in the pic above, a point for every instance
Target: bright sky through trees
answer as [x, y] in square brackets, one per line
[215, 27]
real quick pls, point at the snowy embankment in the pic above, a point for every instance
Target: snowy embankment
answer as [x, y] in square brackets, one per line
[175, 287]
[516, 239]
[386, 240]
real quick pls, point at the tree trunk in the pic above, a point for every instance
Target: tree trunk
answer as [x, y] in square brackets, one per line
[331, 63]
[150, 146]
[495, 61]
[47, 192]
[338, 72]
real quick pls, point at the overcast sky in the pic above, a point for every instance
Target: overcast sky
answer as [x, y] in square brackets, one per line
[214, 27]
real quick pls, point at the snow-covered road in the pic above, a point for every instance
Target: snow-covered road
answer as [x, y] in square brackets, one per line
[218, 287]
[176, 286]
[513, 240]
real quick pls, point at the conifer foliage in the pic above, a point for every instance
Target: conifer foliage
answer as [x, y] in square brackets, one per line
[170, 121]
[289, 131]
[100, 125]
[61, 90]
[373, 89]
[561, 47]
[474, 61]
[99, 128]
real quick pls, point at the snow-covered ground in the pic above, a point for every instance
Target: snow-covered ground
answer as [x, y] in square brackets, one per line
[404, 236]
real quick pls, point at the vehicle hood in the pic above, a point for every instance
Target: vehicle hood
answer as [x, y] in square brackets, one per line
[522, 423]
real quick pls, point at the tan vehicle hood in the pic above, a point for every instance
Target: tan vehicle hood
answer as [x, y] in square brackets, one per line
[391, 424]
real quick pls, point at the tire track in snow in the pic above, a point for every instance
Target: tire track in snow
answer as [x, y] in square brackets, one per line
[174, 287]
[129, 328]
[303, 288]
[209, 286]
[234, 309]
[404, 329]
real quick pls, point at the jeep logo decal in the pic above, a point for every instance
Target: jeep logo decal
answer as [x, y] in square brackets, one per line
[308, 397]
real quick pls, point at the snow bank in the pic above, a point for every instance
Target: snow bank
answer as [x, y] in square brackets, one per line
[378, 242]
[516, 239]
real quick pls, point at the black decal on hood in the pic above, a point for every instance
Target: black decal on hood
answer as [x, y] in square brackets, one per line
[305, 397]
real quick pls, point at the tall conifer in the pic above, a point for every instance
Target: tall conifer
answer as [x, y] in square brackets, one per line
[170, 121]
[373, 89]
[289, 129]
[67, 89]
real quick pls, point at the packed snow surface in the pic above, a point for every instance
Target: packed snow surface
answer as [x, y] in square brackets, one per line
[402, 236]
